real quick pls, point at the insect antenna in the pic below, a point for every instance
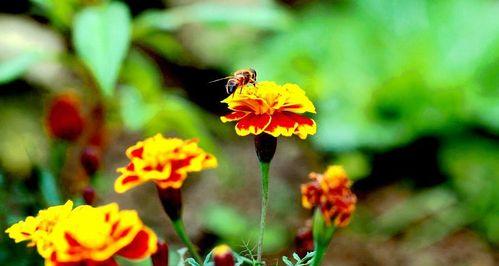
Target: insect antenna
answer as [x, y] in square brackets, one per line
[220, 79]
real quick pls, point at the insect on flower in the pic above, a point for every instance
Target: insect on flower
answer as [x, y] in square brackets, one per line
[239, 79]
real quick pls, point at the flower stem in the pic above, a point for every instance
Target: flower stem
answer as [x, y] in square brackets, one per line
[319, 254]
[323, 233]
[264, 167]
[179, 227]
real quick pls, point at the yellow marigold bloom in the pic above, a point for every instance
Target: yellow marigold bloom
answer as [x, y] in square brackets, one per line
[271, 108]
[330, 192]
[85, 235]
[166, 161]
[37, 229]
[94, 235]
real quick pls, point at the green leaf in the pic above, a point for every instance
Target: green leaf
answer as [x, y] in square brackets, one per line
[135, 113]
[259, 16]
[15, 67]
[101, 36]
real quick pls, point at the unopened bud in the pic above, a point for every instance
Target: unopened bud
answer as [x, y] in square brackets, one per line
[64, 119]
[88, 195]
[90, 159]
[222, 256]
[304, 240]
[160, 257]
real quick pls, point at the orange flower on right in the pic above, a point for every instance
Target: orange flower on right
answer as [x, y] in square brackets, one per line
[271, 108]
[331, 193]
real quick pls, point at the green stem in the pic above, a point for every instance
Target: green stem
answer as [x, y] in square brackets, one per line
[264, 167]
[320, 250]
[179, 227]
[323, 233]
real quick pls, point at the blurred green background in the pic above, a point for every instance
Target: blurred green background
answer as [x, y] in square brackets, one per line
[407, 97]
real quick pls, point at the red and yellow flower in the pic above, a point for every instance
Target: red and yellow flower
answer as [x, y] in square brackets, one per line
[271, 108]
[37, 229]
[86, 235]
[165, 161]
[331, 193]
[96, 235]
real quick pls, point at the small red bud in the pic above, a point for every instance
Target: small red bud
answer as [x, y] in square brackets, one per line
[90, 159]
[304, 240]
[160, 257]
[89, 195]
[64, 119]
[222, 256]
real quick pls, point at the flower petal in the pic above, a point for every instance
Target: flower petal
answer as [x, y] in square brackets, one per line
[281, 125]
[141, 246]
[126, 182]
[234, 116]
[305, 126]
[252, 124]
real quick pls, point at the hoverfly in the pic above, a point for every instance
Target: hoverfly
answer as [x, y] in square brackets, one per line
[239, 79]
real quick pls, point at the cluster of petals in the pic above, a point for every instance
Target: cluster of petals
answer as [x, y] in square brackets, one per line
[165, 161]
[271, 108]
[86, 235]
[331, 193]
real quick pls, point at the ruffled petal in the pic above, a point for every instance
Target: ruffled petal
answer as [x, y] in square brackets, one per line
[126, 182]
[144, 244]
[252, 124]
[234, 116]
[305, 126]
[281, 124]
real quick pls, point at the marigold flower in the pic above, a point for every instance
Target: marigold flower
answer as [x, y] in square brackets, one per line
[85, 235]
[37, 229]
[64, 118]
[271, 108]
[166, 161]
[95, 235]
[330, 192]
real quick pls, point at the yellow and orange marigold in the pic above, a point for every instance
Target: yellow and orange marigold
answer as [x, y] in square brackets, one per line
[271, 108]
[166, 161]
[36, 230]
[331, 193]
[86, 235]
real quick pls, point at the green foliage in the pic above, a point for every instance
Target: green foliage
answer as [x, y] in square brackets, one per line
[101, 36]
[233, 227]
[473, 166]
[222, 15]
[60, 12]
[384, 74]
[15, 67]
[306, 260]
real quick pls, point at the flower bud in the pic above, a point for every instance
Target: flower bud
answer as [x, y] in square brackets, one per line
[171, 199]
[90, 159]
[88, 195]
[265, 146]
[304, 240]
[64, 119]
[222, 256]
[160, 258]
